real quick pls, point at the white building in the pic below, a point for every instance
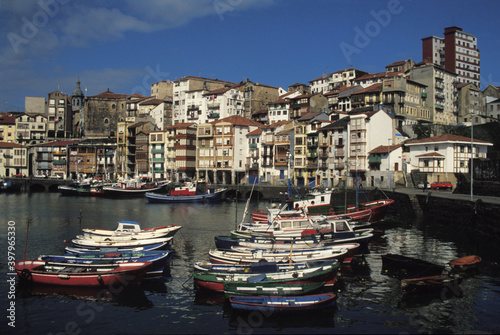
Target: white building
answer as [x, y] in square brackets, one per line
[444, 154]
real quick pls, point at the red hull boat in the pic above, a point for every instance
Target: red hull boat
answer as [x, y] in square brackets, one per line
[68, 274]
[372, 211]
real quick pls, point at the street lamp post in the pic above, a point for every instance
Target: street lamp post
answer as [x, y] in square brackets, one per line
[389, 162]
[472, 157]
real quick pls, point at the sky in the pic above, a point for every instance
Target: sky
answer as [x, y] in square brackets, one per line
[126, 45]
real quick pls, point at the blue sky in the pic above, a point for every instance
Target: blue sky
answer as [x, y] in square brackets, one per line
[125, 45]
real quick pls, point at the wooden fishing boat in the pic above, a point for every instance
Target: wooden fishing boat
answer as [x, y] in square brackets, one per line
[187, 192]
[263, 288]
[256, 268]
[254, 256]
[126, 228]
[214, 281]
[465, 263]
[80, 250]
[159, 259]
[283, 304]
[371, 211]
[335, 231]
[407, 267]
[42, 272]
[119, 244]
[130, 188]
[430, 283]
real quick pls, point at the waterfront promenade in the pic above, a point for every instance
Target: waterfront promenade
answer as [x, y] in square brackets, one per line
[448, 195]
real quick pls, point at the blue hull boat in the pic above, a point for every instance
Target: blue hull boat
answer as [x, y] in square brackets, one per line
[160, 259]
[80, 250]
[283, 304]
[163, 198]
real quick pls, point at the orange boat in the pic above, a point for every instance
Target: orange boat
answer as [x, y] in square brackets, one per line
[465, 263]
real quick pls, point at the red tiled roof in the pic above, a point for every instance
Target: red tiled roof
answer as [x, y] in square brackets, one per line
[109, 95]
[10, 145]
[371, 76]
[57, 143]
[431, 154]
[446, 138]
[183, 125]
[384, 149]
[257, 131]
[8, 118]
[372, 88]
[238, 121]
[155, 102]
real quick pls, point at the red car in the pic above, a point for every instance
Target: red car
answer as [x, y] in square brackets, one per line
[437, 185]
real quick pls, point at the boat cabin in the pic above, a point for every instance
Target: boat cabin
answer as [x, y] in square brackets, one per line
[128, 226]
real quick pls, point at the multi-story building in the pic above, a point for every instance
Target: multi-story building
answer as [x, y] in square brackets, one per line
[162, 89]
[307, 103]
[332, 81]
[126, 146]
[367, 97]
[222, 149]
[183, 91]
[102, 113]
[59, 116]
[35, 105]
[284, 141]
[333, 144]
[407, 99]
[254, 157]
[257, 96]
[493, 110]
[268, 171]
[364, 135]
[370, 79]
[441, 92]
[181, 150]
[470, 102]
[160, 170]
[92, 157]
[457, 52]
[13, 159]
[31, 128]
[8, 127]
[51, 158]
[445, 154]
[219, 104]
[340, 99]
[142, 163]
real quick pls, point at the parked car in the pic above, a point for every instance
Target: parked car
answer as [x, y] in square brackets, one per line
[55, 176]
[40, 175]
[437, 185]
[421, 185]
[19, 175]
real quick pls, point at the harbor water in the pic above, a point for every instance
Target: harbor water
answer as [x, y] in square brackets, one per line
[368, 301]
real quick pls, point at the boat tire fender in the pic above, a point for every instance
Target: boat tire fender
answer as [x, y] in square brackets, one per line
[99, 279]
[107, 239]
[26, 275]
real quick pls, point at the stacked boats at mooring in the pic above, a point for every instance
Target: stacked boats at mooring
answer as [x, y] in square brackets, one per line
[105, 257]
[281, 265]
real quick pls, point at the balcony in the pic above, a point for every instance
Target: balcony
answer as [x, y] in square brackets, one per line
[339, 166]
[253, 145]
[424, 95]
[375, 159]
[213, 115]
[323, 144]
[158, 169]
[158, 151]
[213, 105]
[312, 165]
[438, 106]
[59, 161]
[157, 160]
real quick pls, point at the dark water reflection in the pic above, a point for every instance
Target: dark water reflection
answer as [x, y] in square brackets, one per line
[368, 300]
